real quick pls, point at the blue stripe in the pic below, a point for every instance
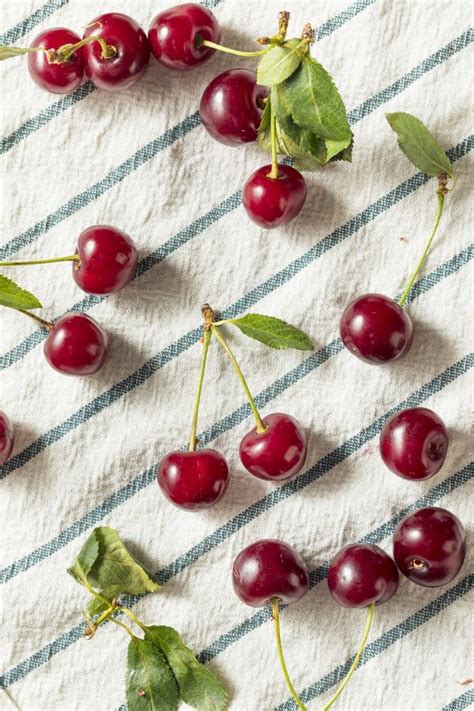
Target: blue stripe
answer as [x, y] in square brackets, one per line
[146, 153]
[226, 424]
[385, 641]
[226, 206]
[140, 376]
[462, 702]
[22, 28]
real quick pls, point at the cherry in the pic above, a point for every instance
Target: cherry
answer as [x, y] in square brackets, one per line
[271, 202]
[76, 345]
[276, 454]
[57, 77]
[376, 329]
[231, 107]
[6, 437]
[108, 258]
[267, 570]
[193, 480]
[175, 33]
[429, 546]
[413, 443]
[362, 574]
[129, 50]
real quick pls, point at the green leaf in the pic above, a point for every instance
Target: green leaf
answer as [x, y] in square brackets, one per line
[6, 51]
[316, 104]
[279, 63]
[151, 685]
[264, 130]
[198, 687]
[273, 332]
[85, 559]
[15, 297]
[419, 145]
[293, 140]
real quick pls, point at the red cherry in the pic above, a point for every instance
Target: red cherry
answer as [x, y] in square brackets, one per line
[271, 202]
[77, 345]
[361, 574]
[413, 443]
[276, 454]
[193, 480]
[131, 45]
[269, 569]
[57, 77]
[7, 437]
[231, 107]
[174, 34]
[429, 546]
[376, 329]
[108, 260]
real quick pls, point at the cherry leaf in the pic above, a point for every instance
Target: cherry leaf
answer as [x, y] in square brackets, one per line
[279, 63]
[14, 297]
[273, 332]
[151, 685]
[85, 559]
[419, 145]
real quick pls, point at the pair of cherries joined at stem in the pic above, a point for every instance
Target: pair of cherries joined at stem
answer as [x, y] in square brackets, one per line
[274, 450]
[428, 547]
[103, 263]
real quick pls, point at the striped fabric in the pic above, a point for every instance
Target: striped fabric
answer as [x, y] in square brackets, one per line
[86, 449]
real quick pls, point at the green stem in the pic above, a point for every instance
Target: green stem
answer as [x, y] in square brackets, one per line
[258, 420]
[355, 663]
[193, 438]
[133, 617]
[441, 195]
[38, 319]
[64, 53]
[124, 627]
[289, 683]
[274, 171]
[71, 258]
[228, 50]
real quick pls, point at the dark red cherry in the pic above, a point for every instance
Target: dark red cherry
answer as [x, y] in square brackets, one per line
[7, 437]
[269, 569]
[57, 77]
[429, 546]
[271, 202]
[276, 454]
[175, 33]
[231, 107]
[413, 443]
[193, 480]
[108, 260]
[361, 574]
[376, 329]
[132, 51]
[77, 345]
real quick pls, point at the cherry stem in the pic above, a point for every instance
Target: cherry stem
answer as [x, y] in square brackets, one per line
[38, 319]
[124, 627]
[64, 53]
[133, 617]
[193, 440]
[200, 42]
[274, 171]
[442, 190]
[355, 663]
[289, 683]
[260, 427]
[71, 258]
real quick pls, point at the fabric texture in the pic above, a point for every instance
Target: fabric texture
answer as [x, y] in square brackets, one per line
[86, 449]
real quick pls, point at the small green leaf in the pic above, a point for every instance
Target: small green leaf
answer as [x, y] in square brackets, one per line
[198, 687]
[15, 297]
[273, 332]
[293, 140]
[6, 51]
[151, 685]
[419, 145]
[85, 559]
[264, 130]
[279, 63]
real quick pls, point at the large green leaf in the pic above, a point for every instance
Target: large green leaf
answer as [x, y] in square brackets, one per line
[15, 297]
[151, 685]
[273, 332]
[198, 686]
[264, 130]
[279, 63]
[297, 142]
[419, 145]
[85, 559]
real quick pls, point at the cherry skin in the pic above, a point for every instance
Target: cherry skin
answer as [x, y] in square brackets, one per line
[57, 77]
[231, 107]
[376, 329]
[7, 438]
[362, 574]
[276, 454]
[193, 480]
[413, 443]
[272, 202]
[267, 570]
[77, 345]
[108, 258]
[429, 546]
[131, 45]
[175, 33]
